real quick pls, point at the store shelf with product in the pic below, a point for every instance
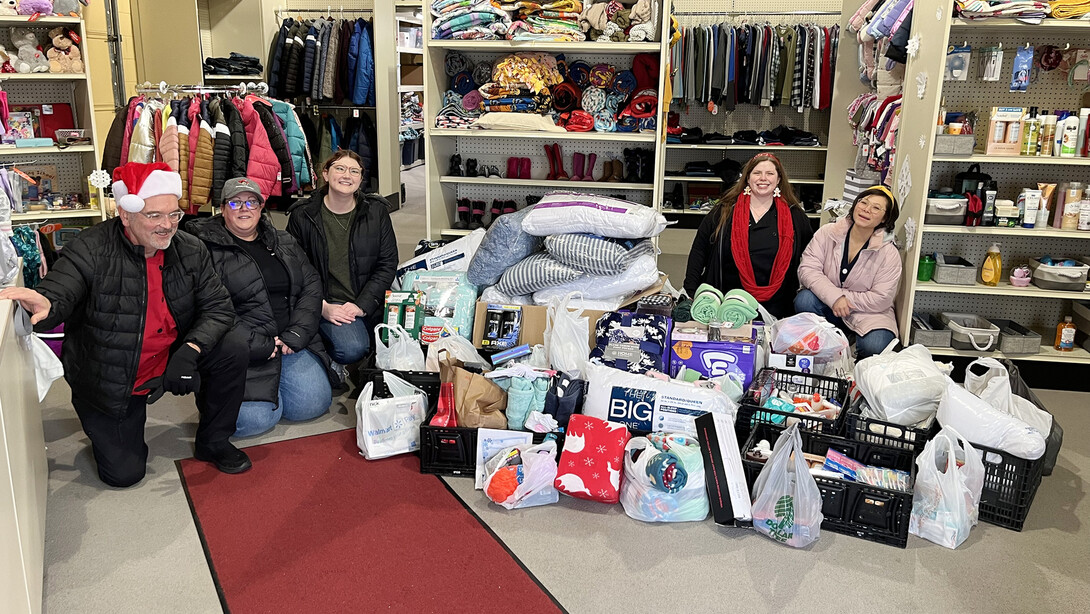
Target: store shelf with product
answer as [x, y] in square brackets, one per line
[507, 46]
[619, 137]
[771, 148]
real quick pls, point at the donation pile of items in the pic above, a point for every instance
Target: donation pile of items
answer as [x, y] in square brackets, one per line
[539, 359]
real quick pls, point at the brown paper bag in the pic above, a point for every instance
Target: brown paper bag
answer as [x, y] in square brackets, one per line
[477, 401]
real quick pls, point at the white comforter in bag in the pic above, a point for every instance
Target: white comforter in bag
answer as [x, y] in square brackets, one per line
[994, 386]
[980, 423]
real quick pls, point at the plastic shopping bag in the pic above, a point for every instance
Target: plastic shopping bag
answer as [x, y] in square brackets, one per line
[403, 352]
[978, 420]
[988, 379]
[949, 479]
[665, 480]
[386, 427]
[458, 347]
[903, 387]
[566, 335]
[786, 499]
[522, 476]
[808, 334]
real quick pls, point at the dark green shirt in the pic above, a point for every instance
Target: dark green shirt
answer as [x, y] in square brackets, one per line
[337, 227]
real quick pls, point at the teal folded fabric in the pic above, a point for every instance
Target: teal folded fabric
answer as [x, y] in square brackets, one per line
[736, 314]
[706, 303]
[520, 399]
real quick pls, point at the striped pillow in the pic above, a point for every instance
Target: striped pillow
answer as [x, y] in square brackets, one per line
[534, 273]
[597, 255]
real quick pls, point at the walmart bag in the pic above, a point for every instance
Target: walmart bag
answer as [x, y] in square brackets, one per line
[786, 499]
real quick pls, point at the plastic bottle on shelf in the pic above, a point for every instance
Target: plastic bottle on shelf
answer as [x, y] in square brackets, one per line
[1031, 133]
[1057, 136]
[1084, 214]
[1070, 138]
[992, 268]
[1048, 133]
[1065, 335]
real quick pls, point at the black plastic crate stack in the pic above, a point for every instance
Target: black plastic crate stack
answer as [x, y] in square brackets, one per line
[1010, 483]
[750, 411]
[869, 512]
[862, 428]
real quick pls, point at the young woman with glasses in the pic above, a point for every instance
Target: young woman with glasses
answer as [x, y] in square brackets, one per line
[851, 270]
[277, 296]
[348, 236]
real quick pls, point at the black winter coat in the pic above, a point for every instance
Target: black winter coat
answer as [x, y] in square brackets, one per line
[221, 150]
[372, 249]
[240, 151]
[115, 140]
[279, 144]
[293, 67]
[275, 54]
[309, 50]
[360, 134]
[98, 289]
[243, 280]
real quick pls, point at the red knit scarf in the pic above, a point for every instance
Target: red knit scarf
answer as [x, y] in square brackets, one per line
[739, 247]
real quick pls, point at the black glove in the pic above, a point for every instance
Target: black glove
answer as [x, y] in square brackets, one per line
[181, 376]
[155, 388]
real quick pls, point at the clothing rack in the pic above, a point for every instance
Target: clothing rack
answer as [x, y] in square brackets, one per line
[285, 12]
[163, 88]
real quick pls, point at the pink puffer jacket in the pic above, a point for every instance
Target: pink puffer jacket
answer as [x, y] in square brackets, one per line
[870, 287]
[262, 166]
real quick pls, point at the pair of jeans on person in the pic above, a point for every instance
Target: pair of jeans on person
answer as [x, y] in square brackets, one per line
[865, 345]
[304, 394]
[347, 343]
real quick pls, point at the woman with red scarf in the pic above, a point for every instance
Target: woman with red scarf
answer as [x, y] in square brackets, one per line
[753, 239]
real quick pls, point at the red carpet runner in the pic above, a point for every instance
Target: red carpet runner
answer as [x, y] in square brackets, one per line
[314, 527]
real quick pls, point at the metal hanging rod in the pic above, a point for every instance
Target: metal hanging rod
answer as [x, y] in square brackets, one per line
[754, 13]
[165, 88]
[328, 11]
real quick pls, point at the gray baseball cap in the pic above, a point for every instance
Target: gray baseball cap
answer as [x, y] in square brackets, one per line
[238, 185]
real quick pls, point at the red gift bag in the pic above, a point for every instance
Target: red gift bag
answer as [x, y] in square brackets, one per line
[592, 462]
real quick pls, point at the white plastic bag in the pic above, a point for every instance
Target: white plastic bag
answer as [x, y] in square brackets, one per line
[994, 386]
[786, 499]
[459, 348]
[403, 352]
[386, 427]
[808, 334]
[643, 500]
[565, 212]
[947, 496]
[903, 387]
[566, 338]
[975, 419]
[535, 477]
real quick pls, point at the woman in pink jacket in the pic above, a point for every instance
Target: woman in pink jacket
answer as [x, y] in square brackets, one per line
[851, 269]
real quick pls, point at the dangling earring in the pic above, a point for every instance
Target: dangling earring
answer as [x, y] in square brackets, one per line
[747, 191]
[776, 193]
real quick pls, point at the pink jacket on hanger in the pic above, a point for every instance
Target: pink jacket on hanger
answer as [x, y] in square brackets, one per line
[263, 166]
[871, 285]
[135, 107]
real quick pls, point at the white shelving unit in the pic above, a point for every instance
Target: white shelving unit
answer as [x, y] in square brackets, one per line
[408, 16]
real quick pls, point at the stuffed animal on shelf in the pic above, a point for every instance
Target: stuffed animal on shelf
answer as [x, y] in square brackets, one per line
[9, 7]
[30, 58]
[35, 7]
[5, 61]
[64, 56]
[66, 7]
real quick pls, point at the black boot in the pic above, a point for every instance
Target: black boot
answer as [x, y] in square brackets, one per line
[673, 199]
[532, 200]
[455, 166]
[471, 167]
[477, 216]
[647, 165]
[463, 215]
[496, 211]
[631, 165]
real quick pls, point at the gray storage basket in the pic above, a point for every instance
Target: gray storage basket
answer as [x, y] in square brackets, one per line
[938, 337]
[1080, 310]
[1017, 339]
[970, 331]
[1050, 277]
[954, 270]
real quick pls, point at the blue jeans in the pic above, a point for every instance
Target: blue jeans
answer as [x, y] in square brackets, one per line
[865, 345]
[304, 394]
[347, 343]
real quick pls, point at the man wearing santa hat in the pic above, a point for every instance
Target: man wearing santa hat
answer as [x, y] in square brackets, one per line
[144, 314]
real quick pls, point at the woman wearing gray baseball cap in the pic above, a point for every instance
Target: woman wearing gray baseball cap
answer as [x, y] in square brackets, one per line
[278, 298]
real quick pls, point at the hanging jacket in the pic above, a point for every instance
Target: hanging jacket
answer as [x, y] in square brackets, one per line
[179, 110]
[275, 56]
[200, 159]
[364, 91]
[279, 143]
[293, 67]
[135, 108]
[340, 87]
[310, 47]
[359, 132]
[239, 148]
[297, 143]
[263, 166]
[330, 139]
[308, 161]
[221, 150]
[142, 141]
[353, 59]
[168, 143]
[310, 132]
[111, 150]
[244, 282]
[329, 68]
[372, 247]
[320, 54]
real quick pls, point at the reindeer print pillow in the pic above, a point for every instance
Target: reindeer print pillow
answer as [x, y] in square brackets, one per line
[592, 460]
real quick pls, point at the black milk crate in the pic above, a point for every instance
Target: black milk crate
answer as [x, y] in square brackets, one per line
[869, 512]
[873, 430]
[446, 450]
[750, 411]
[428, 381]
[1010, 483]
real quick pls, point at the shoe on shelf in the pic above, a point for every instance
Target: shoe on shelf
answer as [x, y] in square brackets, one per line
[492, 171]
[513, 168]
[618, 172]
[532, 200]
[524, 168]
[471, 167]
[558, 153]
[224, 455]
[588, 174]
[477, 216]
[462, 222]
[577, 167]
[455, 166]
[552, 162]
[509, 206]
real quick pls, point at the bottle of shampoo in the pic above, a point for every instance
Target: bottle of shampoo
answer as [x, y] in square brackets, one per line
[992, 268]
[1065, 335]
[1070, 138]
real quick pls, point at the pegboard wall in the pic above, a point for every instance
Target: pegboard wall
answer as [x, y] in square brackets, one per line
[1028, 311]
[41, 92]
[519, 193]
[71, 175]
[496, 151]
[1011, 178]
[39, 30]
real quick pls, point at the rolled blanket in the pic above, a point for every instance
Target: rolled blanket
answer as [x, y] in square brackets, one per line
[579, 71]
[641, 12]
[624, 82]
[738, 309]
[627, 123]
[706, 303]
[683, 310]
[565, 96]
[594, 100]
[601, 75]
[456, 62]
[579, 121]
[643, 104]
[482, 72]
[462, 83]
[605, 122]
[472, 100]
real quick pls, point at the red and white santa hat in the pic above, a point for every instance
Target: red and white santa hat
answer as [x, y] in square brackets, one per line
[133, 182]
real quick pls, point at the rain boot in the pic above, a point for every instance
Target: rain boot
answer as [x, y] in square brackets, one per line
[577, 167]
[588, 174]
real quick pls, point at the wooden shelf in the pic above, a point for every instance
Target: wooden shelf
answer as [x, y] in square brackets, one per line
[685, 179]
[546, 183]
[1003, 289]
[52, 149]
[626, 137]
[21, 20]
[683, 146]
[998, 23]
[997, 231]
[43, 76]
[410, 88]
[450, 232]
[54, 215]
[986, 159]
[574, 48]
[416, 21]
[1048, 353]
[411, 50]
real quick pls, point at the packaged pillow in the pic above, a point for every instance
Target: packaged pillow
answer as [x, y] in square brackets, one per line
[592, 459]
[640, 276]
[537, 272]
[504, 245]
[453, 256]
[633, 342]
[568, 212]
[595, 254]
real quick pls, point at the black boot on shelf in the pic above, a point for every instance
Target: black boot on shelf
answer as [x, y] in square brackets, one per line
[674, 198]
[647, 165]
[631, 165]
[496, 211]
[509, 206]
[455, 166]
[463, 215]
[532, 200]
[476, 218]
[471, 168]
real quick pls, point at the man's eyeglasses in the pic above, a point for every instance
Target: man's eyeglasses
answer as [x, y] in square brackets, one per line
[341, 169]
[250, 205]
[174, 216]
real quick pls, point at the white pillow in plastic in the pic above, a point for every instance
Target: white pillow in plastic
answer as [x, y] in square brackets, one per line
[994, 386]
[985, 425]
[537, 272]
[596, 255]
[453, 256]
[493, 295]
[903, 387]
[642, 274]
[567, 212]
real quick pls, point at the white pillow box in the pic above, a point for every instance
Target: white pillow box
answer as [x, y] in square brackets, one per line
[645, 403]
[903, 387]
[569, 212]
[453, 256]
[980, 423]
[609, 288]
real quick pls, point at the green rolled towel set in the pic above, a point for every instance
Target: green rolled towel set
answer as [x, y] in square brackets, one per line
[736, 308]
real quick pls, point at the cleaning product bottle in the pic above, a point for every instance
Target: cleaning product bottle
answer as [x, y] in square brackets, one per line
[1065, 335]
[992, 268]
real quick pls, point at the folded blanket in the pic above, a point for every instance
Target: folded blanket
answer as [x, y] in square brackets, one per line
[706, 303]
[738, 309]
[1069, 9]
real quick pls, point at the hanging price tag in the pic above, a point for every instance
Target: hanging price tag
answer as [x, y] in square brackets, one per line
[355, 112]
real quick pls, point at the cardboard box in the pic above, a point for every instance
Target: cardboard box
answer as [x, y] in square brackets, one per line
[998, 125]
[792, 362]
[715, 358]
[724, 475]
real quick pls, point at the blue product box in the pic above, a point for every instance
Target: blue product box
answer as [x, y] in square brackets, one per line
[715, 358]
